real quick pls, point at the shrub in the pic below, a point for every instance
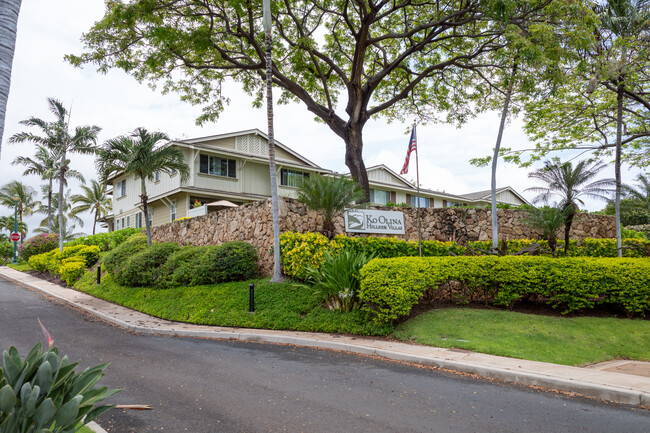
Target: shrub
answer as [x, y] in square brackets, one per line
[231, 261]
[337, 281]
[72, 269]
[180, 267]
[44, 393]
[38, 244]
[142, 269]
[390, 287]
[43, 262]
[90, 254]
[106, 241]
[119, 255]
[302, 250]
[6, 252]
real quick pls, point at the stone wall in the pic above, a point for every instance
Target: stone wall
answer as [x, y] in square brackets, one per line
[253, 223]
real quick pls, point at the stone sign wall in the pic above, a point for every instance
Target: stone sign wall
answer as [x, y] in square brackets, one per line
[253, 223]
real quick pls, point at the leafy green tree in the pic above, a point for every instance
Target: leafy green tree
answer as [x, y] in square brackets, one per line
[57, 137]
[93, 200]
[346, 61]
[139, 153]
[635, 206]
[27, 202]
[46, 165]
[7, 223]
[571, 185]
[548, 220]
[329, 195]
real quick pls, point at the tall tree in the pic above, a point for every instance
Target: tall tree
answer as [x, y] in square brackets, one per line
[93, 200]
[27, 202]
[7, 223]
[346, 61]
[571, 185]
[46, 165]
[9, 10]
[56, 136]
[140, 153]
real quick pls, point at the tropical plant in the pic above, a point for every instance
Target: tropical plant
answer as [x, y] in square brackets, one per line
[571, 185]
[46, 165]
[39, 244]
[329, 195]
[93, 200]
[6, 251]
[7, 223]
[56, 135]
[26, 200]
[635, 204]
[43, 393]
[11, 9]
[139, 154]
[547, 220]
[337, 281]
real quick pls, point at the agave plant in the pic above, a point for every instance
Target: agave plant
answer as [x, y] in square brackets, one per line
[42, 393]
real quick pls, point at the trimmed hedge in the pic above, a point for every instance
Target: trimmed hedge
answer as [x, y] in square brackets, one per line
[6, 252]
[118, 256]
[180, 267]
[105, 241]
[142, 269]
[300, 250]
[70, 264]
[231, 261]
[391, 287]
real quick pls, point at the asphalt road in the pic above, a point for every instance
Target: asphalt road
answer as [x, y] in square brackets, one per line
[205, 386]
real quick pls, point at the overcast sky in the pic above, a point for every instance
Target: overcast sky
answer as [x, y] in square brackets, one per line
[117, 103]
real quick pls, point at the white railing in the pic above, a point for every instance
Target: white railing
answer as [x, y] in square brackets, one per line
[197, 211]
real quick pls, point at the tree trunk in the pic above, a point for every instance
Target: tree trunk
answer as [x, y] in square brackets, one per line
[95, 219]
[9, 11]
[495, 157]
[277, 270]
[354, 157]
[61, 183]
[617, 166]
[145, 208]
[49, 207]
[567, 230]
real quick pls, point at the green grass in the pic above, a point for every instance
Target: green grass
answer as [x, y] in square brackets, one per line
[560, 340]
[20, 266]
[84, 429]
[277, 306]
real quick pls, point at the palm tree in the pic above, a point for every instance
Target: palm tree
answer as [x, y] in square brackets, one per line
[46, 165]
[571, 185]
[27, 202]
[622, 22]
[57, 137]
[268, 40]
[548, 220]
[68, 215]
[139, 154]
[640, 195]
[8, 26]
[329, 195]
[68, 230]
[7, 223]
[93, 199]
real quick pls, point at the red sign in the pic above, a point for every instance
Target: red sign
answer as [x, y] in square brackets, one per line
[15, 237]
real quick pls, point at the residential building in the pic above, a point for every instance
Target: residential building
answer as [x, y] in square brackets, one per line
[233, 169]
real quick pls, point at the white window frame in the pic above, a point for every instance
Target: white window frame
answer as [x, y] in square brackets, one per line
[172, 211]
[377, 193]
[293, 178]
[424, 201]
[156, 176]
[138, 220]
[128, 221]
[228, 165]
[120, 190]
[150, 215]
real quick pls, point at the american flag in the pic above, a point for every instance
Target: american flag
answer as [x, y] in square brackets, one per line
[412, 147]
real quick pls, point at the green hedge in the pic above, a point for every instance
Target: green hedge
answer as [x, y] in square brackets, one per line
[118, 256]
[141, 269]
[69, 264]
[105, 241]
[391, 287]
[299, 250]
[38, 244]
[6, 252]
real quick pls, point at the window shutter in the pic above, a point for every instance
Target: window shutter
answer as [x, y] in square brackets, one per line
[232, 168]
[408, 200]
[393, 196]
[203, 164]
[444, 203]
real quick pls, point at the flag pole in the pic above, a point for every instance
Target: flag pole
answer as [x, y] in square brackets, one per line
[417, 180]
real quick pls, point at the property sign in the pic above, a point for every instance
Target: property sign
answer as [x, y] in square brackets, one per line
[15, 237]
[374, 221]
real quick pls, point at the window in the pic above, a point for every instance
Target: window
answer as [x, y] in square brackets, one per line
[172, 211]
[128, 221]
[424, 201]
[120, 189]
[292, 178]
[117, 224]
[217, 166]
[138, 220]
[378, 196]
[156, 176]
[150, 216]
[173, 172]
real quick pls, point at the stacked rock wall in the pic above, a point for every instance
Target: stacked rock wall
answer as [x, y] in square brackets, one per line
[253, 223]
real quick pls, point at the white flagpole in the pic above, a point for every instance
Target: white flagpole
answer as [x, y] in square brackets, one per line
[417, 179]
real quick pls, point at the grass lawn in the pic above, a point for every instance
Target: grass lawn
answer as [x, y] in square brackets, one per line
[20, 266]
[84, 429]
[277, 306]
[560, 340]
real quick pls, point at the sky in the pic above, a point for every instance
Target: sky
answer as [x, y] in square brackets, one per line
[116, 102]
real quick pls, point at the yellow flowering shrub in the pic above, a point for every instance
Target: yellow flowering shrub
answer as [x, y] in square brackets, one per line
[300, 250]
[72, 269]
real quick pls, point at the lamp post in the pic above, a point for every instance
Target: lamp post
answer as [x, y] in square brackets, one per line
[16, 199]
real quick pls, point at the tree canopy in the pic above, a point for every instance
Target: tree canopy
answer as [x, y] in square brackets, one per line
[346, 61]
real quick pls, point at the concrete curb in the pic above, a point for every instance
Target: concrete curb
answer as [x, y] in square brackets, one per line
[610, 386]
[95, 427]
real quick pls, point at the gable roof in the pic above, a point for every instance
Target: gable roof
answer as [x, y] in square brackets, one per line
[487, 194]
[202, 140]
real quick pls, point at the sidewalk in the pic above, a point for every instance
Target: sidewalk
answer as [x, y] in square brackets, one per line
[617, 385]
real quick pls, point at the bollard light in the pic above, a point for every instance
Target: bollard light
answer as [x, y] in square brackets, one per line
[251, 298]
